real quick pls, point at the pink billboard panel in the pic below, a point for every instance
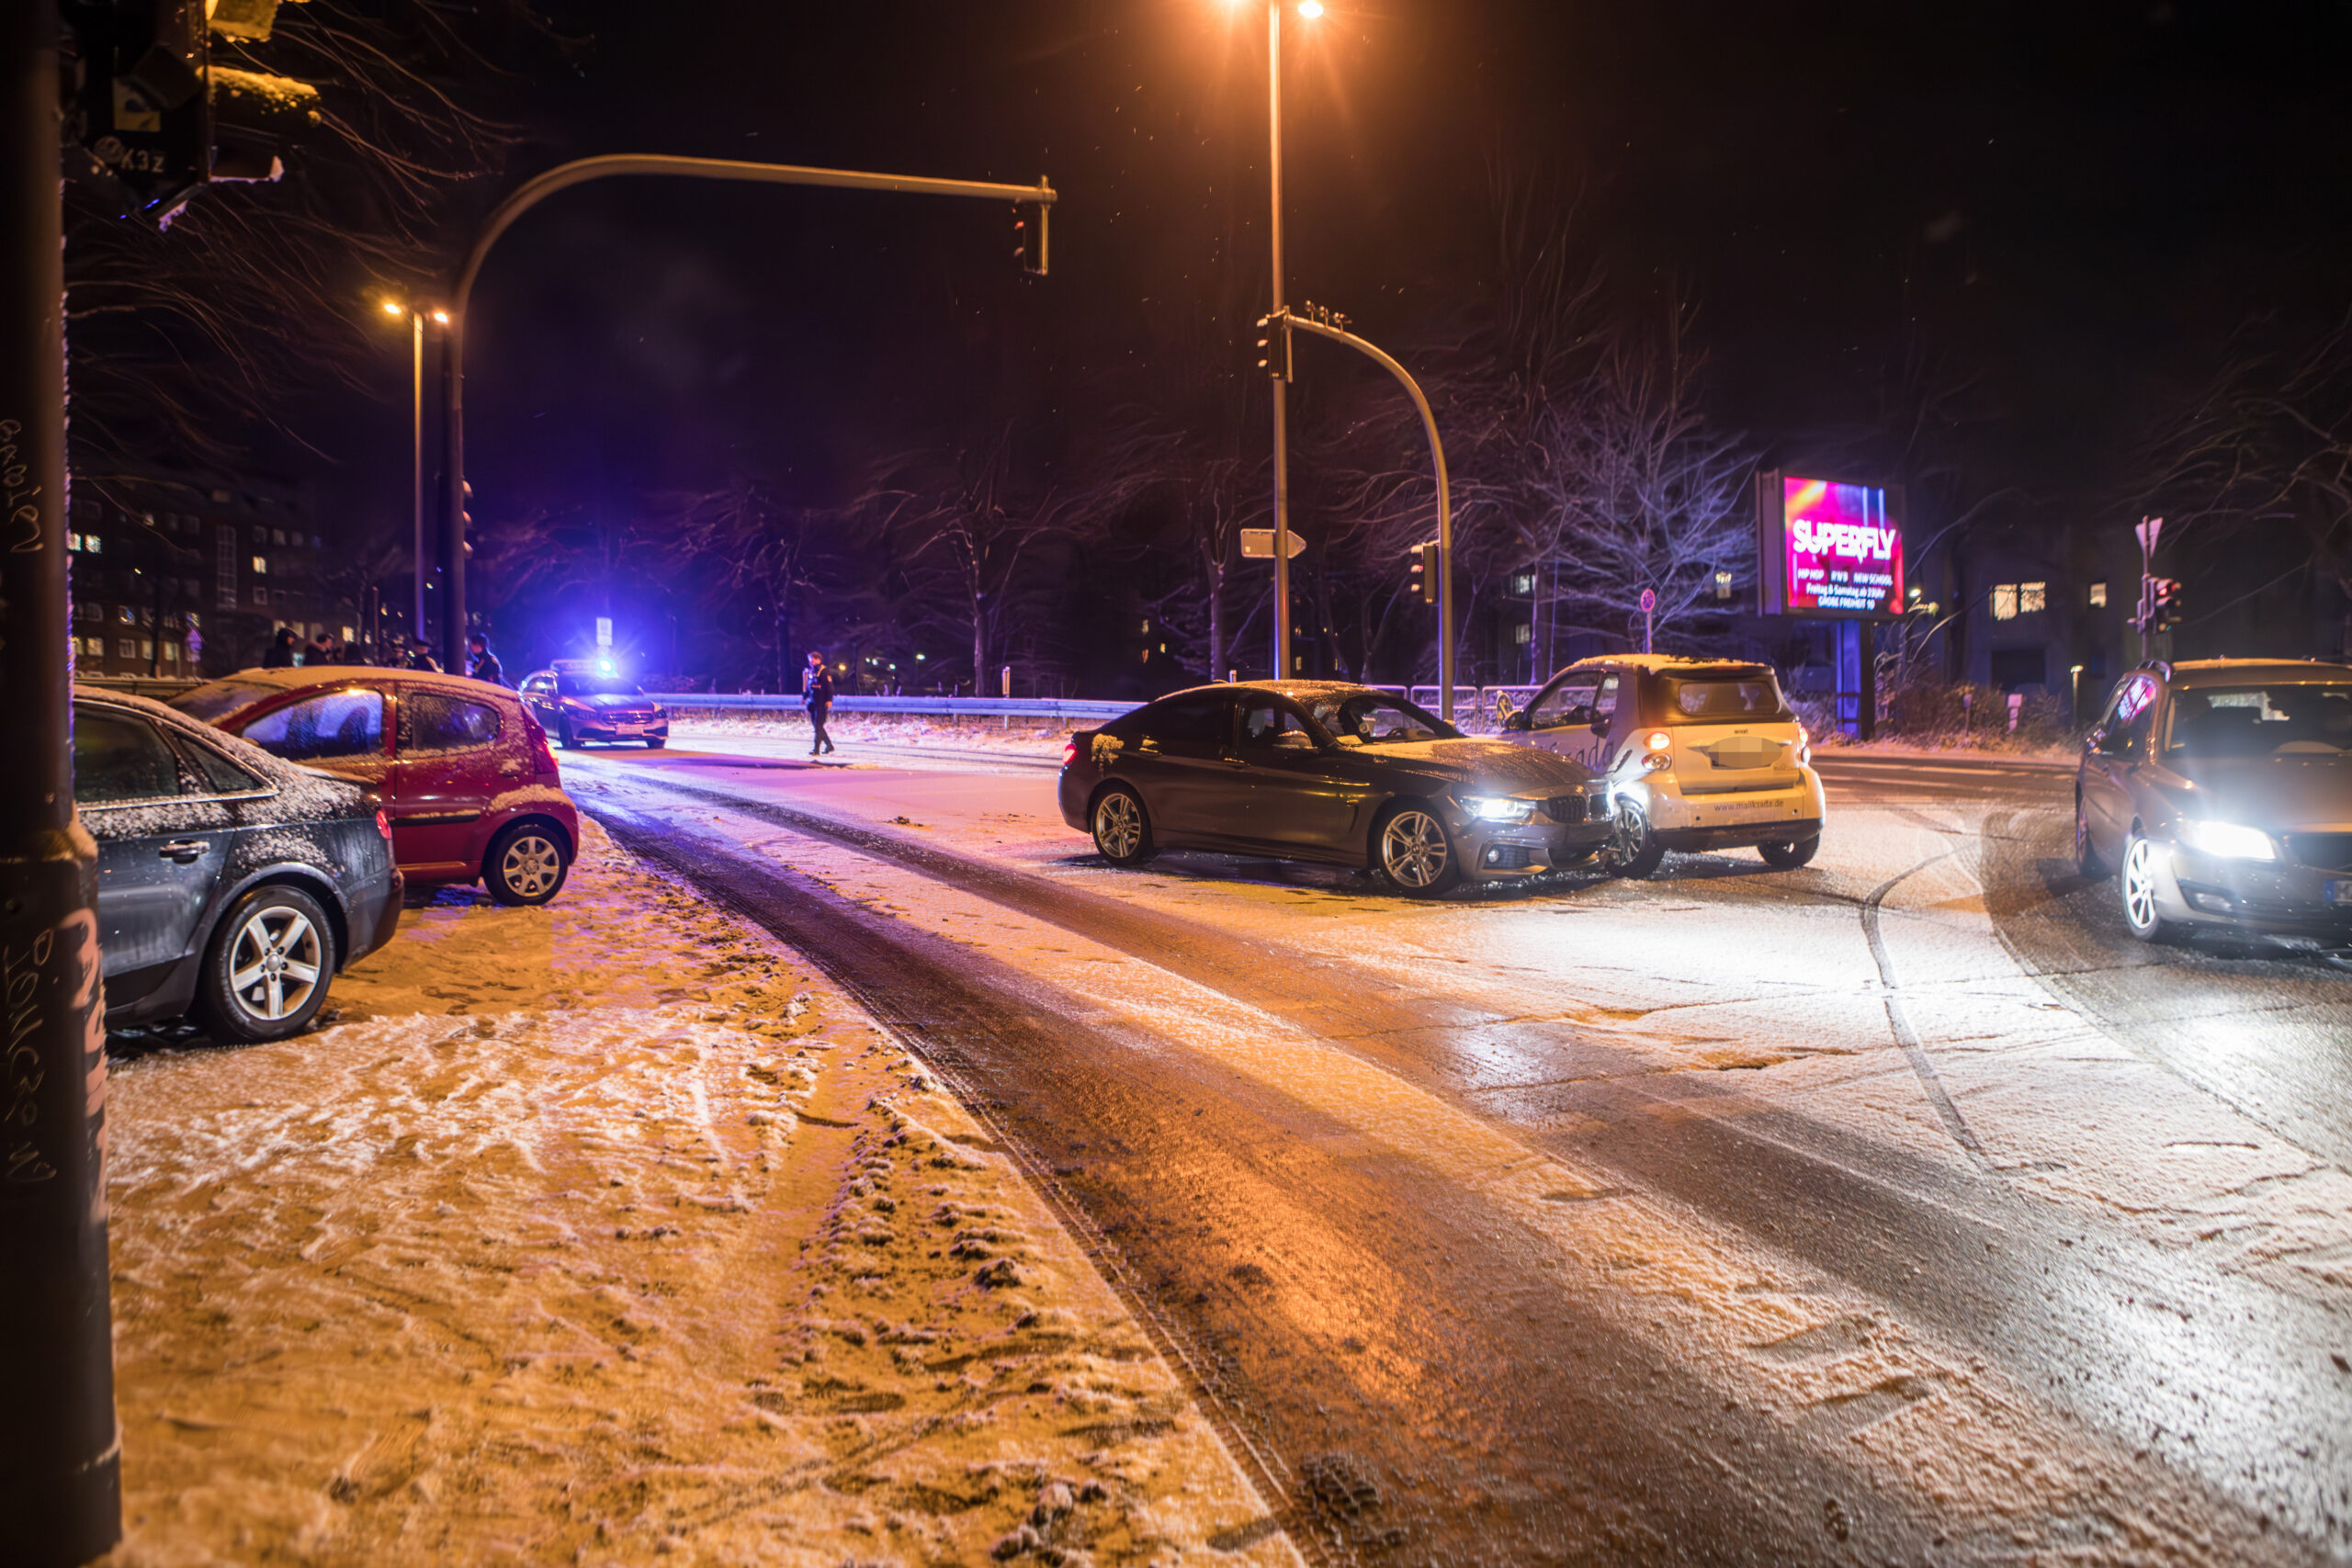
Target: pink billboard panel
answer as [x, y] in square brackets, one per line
[1843, 553]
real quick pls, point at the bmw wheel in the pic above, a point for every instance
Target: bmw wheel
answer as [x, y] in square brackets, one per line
[1413, 854]
[2136, 884]
[527, 865]
[267, 973]
[1634, 851]
[567, 736]
[1122, 831]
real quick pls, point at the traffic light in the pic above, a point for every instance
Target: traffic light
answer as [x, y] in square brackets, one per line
[1428, 571]
[150, 121]
[1029, 245]
[2165, 603]
[1274, 345]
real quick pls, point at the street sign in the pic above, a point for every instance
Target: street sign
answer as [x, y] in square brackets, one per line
[1649, 600]
[1258, 544]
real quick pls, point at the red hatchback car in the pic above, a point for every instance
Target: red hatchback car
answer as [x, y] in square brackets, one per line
[462, 768]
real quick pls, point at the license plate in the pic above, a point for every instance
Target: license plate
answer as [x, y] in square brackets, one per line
[2339, 892]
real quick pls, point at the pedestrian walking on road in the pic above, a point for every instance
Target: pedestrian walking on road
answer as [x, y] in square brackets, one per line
[481, 664]
[420, 658]
[281, 650]
[817, 696]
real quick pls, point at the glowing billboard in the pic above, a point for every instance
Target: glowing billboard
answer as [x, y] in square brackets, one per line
[1828, 548]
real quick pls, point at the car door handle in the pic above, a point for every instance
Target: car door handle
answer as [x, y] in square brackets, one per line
[184, 851]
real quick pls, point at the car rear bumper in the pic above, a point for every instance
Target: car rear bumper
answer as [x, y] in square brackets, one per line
[1729, 819]
[374, 917]
[589, 729]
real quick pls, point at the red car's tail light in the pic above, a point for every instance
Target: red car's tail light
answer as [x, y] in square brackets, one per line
[1069, 752]
[384, 825]
[542, 755]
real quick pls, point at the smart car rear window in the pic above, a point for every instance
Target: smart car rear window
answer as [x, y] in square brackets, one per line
[1720, 699]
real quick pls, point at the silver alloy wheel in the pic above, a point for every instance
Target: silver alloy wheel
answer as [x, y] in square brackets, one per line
[2140, 884]
[275, 963]
[1119, 824]
[532, 865]
[1413, 849]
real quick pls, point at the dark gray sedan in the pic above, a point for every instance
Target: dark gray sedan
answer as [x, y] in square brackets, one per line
[1321, 771]
[231, 886]
[2219, 791]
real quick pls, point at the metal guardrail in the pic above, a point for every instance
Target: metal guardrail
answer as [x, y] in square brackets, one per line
[917, 708]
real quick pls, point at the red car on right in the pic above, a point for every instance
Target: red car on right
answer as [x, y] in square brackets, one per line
[2218, 793]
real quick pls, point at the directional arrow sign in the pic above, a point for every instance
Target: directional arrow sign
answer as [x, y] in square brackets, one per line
[1260, 542]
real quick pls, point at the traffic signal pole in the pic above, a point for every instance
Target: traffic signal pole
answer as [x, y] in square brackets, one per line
[61, 1497]
[1040, 195]
[1307, 321]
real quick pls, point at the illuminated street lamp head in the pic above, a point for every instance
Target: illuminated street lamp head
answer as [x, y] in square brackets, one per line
[440, 317]
[393, 307]
[1310, 9]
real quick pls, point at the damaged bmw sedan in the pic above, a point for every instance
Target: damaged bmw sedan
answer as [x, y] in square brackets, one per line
[1324, 771]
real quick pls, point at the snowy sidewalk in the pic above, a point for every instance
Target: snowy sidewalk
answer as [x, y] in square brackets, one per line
[604, 1232]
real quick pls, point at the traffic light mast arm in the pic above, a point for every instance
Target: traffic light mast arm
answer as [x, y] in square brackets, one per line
[1306, 322]
[1041, 195]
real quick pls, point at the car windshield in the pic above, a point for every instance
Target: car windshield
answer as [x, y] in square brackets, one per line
[581, 683]
[209, 702]
[1732, 698]
[1374, 719]
[2219, 722]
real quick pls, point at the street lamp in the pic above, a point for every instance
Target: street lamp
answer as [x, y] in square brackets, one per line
[1280, 363]
[417, 318]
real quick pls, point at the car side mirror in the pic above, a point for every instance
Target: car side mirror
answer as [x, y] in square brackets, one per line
[1600, 725]
[1519, 721]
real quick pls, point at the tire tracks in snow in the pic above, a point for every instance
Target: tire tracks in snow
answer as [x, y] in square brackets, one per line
[2019, 1280]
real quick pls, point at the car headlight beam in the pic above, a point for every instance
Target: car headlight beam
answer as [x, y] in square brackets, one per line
[1498, 808]
[2228, 840]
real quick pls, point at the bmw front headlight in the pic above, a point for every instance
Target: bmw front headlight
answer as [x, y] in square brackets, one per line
[2229, 841]
[1498, 808]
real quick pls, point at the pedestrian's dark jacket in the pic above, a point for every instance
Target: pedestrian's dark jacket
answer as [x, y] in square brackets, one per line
[280, 655]
[817, 688]
[485, 668]
[421, 660]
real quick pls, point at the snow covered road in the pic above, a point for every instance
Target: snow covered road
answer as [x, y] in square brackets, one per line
[1737, 1215]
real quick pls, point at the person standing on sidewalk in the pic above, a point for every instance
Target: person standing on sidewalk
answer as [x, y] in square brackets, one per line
[482, 664]
[817, 696]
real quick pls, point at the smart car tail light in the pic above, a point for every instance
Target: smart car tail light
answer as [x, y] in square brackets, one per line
[1070, 751]
[384, 825]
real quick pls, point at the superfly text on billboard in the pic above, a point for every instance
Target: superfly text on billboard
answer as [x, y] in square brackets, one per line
[1844, 555]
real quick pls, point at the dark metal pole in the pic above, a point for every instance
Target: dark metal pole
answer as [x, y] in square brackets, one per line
[563, 176]
[61, 1492]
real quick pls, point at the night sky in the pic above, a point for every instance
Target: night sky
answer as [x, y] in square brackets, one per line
[2064, 208]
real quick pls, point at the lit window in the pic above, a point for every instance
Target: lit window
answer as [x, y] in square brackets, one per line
[146, 649]
[73, 541]
[2098, 595]
[2005, 602]
[261, 566]
[90, 542]
[95, 646]
[348, 633]
[1522, 634]
[2032, 598]
[1523, 583]
[171, 653]
[127, 646]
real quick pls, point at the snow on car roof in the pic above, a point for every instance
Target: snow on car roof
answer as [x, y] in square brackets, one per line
[2192, 672]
